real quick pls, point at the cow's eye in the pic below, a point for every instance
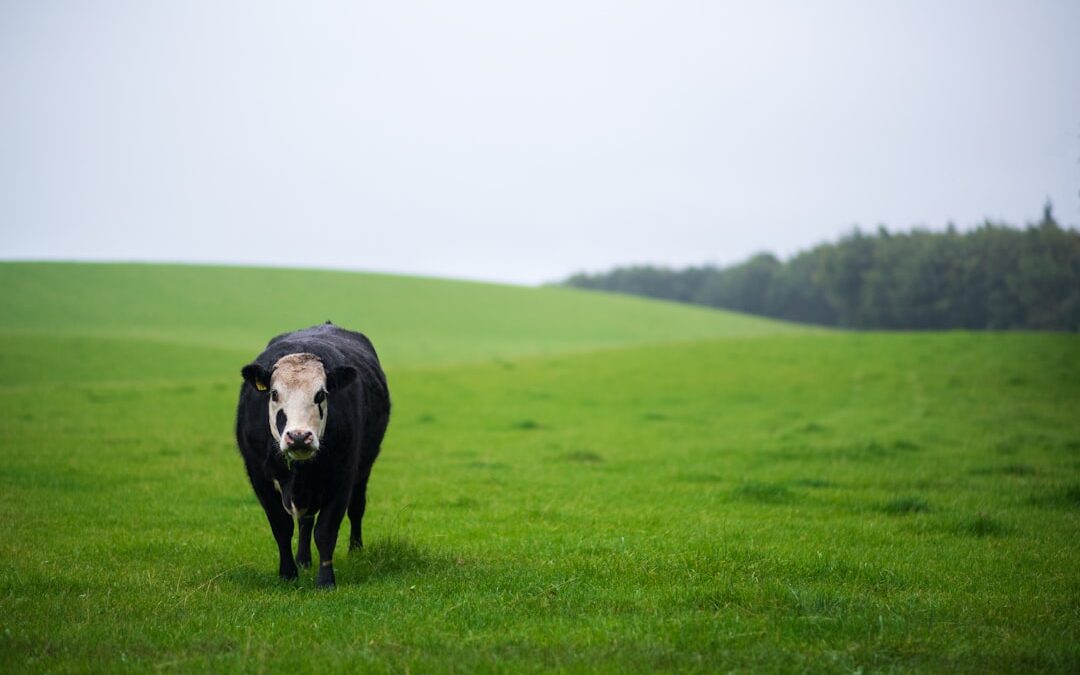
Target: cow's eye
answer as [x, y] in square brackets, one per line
[320, 396]
[273, 395]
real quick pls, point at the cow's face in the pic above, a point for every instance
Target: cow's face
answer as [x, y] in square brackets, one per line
[297, 392]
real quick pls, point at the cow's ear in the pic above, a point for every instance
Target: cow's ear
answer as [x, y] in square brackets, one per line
[340, 377]
[256, 376]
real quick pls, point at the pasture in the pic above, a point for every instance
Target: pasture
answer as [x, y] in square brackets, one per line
[571, 481]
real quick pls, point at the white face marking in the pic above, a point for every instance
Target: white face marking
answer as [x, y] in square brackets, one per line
[296, 383]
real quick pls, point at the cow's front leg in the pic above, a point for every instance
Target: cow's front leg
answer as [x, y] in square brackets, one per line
[326, 533]
[281, 524]
[303, 546]
[283, 530]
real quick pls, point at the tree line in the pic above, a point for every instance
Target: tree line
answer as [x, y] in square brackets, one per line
[992, 277]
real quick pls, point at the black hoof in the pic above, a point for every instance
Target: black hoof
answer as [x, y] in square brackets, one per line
[287, 569]
[355, 545]
[326, 577]
[303, 563]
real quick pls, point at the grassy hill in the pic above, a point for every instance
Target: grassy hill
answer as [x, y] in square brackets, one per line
[571, 481]
[413, 321]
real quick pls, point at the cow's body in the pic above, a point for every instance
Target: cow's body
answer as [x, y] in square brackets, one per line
[333, 478]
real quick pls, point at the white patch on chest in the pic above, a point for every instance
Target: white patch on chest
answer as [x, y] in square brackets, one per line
[298, 513]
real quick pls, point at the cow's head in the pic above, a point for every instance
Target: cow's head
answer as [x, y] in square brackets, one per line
[297, 391]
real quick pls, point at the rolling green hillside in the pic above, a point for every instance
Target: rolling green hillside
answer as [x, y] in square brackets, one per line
[571, 482]
[413, 321]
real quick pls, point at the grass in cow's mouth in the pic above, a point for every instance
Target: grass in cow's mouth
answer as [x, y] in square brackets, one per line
[710, 493]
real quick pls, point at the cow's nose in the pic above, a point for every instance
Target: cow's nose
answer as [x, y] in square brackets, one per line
[299, 437]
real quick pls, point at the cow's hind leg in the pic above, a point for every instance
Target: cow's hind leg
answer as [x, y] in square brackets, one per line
[357, 504]
[303, 546]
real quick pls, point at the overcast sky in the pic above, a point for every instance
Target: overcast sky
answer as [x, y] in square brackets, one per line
[519, 141]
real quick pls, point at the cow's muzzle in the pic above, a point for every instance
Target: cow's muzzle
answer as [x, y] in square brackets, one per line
[299, 445]
[299, 439]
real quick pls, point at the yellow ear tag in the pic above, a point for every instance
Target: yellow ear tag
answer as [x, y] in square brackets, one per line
[260, 386]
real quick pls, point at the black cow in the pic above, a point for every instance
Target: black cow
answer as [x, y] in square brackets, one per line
[313, 410]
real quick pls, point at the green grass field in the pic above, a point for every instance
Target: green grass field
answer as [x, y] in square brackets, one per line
[571, 481]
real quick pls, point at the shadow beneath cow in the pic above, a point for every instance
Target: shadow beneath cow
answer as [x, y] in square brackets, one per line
[385, 558]
[390, 557]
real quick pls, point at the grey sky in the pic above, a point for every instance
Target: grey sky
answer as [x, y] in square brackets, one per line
[523, 141]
